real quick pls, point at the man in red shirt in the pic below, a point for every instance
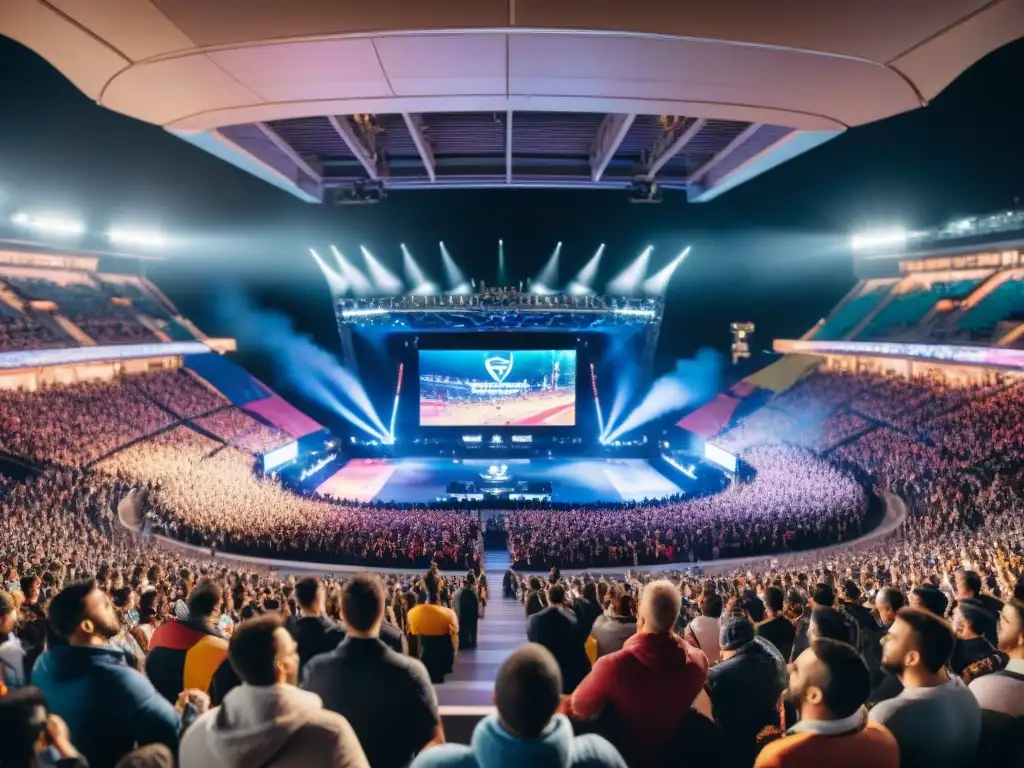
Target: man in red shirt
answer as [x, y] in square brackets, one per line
[649, 686]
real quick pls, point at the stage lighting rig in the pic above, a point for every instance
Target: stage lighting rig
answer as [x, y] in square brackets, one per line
[643, 191]
[360, 193]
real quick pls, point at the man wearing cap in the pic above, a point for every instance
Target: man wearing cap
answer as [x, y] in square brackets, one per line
[745, 687]
[12, 655]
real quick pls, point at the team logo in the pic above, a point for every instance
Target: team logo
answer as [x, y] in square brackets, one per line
[499, 367]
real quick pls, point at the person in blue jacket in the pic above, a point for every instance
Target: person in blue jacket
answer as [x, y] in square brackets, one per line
[109, 707]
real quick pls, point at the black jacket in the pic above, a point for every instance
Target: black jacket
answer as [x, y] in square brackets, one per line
[315, 635]
[586, 614]
[557, 629]
[467, 610]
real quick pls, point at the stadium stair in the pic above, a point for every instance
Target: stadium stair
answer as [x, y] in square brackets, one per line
[72, 330]
[501, 631]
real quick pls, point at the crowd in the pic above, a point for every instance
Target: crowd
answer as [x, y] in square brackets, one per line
[796, 501]
[905, 651]
[236, 427]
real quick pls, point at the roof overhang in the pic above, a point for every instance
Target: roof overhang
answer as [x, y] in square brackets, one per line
[769, 80]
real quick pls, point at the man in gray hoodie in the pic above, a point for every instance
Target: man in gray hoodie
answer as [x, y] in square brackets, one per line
[268, 722]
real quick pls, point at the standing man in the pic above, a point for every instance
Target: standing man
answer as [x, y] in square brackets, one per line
[467, 611]
[557, 629]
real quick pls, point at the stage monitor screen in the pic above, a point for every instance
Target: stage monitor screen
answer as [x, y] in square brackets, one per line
[507, 388]
[275, 458]
[724, 459]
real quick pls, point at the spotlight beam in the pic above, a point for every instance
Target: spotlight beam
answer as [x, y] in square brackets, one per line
[502, 274]
[356, 280]
[585, 278]
[457, 282]
[547, 280]
[657, 284]
[628, 281]
[382, 277]
[335, 282]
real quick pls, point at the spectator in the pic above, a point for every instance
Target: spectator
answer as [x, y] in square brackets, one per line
[526, 731]
[267, 721]
[936, 720]
[557, 629]
[313, 631]
[888, 601]
[968, 585]
[828, 684]
[705, 629]
[151, 615]
[823, 596]
[611, 630]
[974, 655]
[436, 630]
[587, 608]
[29, 733]
[777, 630]
[467, 611]
[372, 686]
[12, 654]
[745, 688]
[192, 652]
[1003, 691]
[654, 666]
[108, 707]
[929, 599]
[534, 599]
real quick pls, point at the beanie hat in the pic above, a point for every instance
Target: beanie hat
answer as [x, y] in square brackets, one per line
[737, 630]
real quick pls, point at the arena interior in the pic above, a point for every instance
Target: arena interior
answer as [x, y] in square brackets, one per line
[876, 462]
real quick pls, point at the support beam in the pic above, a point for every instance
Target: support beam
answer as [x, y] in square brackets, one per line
[290, 153]
[662, 153]
[729, 148]
[366, 157]
[609, 136]
[508, 147]
[415, 125]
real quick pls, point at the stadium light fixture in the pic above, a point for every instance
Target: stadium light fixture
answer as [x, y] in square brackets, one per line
[657, 284]
[383, 278]
[502, 273]
[355, 279]
[548, 276]
[136, 238]
[457, 282]
[47, 224]
[881, 238]
[335, 282]
[628, 281]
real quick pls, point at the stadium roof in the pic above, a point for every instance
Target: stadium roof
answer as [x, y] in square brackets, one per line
[312, 95]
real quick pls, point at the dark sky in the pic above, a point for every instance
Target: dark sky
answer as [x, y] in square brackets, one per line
[771, 251]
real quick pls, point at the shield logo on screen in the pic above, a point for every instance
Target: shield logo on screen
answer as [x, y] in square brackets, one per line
[499, 367]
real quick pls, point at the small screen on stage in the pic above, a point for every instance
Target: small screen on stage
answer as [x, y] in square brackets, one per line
[507, 388]
[278, 456]
[724, 459]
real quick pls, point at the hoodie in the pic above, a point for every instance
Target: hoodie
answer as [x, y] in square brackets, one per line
[646, 690]
[494, 747]
[108, 706]
[273, 726]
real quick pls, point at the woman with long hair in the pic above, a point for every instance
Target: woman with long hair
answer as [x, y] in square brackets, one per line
[151, 615]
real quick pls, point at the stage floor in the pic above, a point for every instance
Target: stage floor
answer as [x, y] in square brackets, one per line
[578, 481]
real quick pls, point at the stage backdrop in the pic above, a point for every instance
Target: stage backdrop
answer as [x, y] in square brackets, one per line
[503, 388]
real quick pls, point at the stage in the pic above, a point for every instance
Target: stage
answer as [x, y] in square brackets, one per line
[574, 481]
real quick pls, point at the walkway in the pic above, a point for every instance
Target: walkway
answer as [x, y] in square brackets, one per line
[502, 630]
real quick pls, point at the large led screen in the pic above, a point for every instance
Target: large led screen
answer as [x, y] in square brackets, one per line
[516, 388]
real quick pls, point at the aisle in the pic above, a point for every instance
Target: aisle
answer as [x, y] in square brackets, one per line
[502, 630]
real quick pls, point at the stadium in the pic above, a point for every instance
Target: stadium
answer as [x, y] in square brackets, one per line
[519, 531]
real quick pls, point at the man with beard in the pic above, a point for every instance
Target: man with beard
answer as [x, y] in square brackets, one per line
[828, 685]
[1001, 694]
[108, 706]
[936, 720]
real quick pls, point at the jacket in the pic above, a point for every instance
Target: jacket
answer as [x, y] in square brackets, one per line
[467, 610]
[744, 692]
[587, 613]
[556, 629]
[272, 726]
[644, 693]
[185, 654]
[494, 747]
[108, 706]
[611, 632]
[314, 635]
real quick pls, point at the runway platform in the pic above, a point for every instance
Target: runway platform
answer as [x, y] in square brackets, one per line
[577, 481]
